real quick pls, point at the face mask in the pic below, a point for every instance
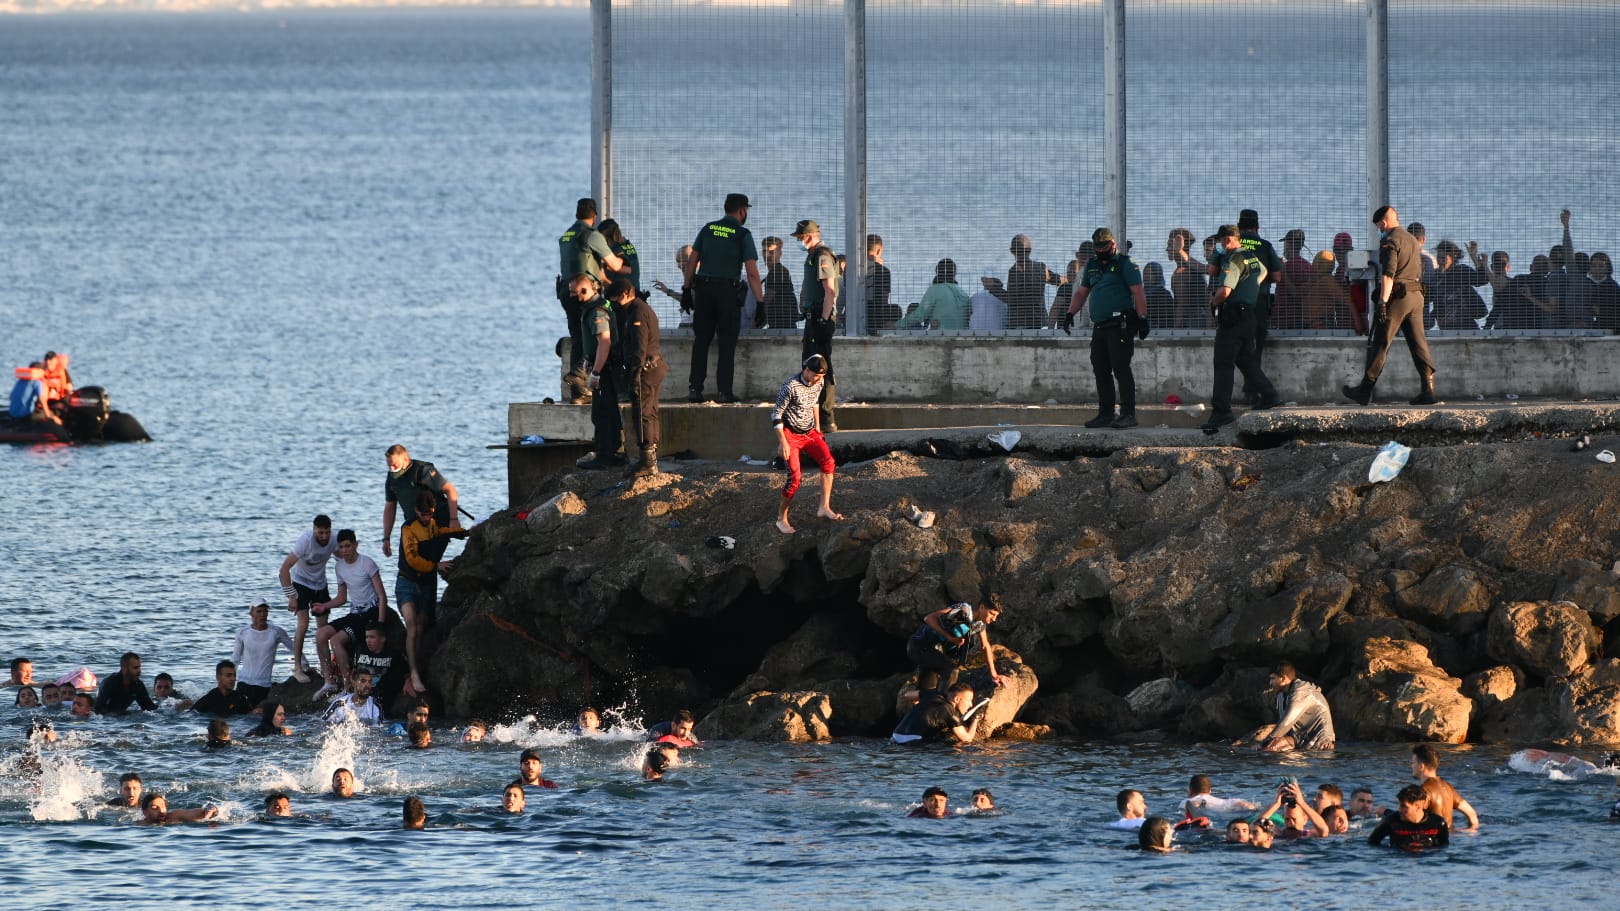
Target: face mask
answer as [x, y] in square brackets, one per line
[395, 473]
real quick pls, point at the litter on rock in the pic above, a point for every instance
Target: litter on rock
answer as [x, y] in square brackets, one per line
[1606, 457]
[1006, 439]
[1388, 463]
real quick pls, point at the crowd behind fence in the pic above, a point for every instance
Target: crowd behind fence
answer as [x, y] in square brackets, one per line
[984, 123]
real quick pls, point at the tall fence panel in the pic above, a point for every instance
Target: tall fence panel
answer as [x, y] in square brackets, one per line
[1501, 116]
[985, 121]
[710, 100]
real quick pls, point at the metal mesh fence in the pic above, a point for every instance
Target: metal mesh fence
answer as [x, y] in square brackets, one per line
[1501, 116]
[985, 121]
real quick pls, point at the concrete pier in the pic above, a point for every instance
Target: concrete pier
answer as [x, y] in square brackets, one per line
[963, 388]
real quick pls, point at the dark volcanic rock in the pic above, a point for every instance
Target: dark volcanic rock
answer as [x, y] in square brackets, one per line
[1146, 563]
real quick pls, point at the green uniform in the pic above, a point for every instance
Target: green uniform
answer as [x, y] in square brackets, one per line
[819, 264]
[1110, 282]
[598, 319]
[581, 248]
[632, 264]
[1242, 271]
[722, 247]
[1235, 328]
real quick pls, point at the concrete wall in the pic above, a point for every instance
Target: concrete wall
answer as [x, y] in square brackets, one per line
[1037, 368]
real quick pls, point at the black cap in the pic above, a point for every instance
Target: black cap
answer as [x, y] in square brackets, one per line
[735, 201]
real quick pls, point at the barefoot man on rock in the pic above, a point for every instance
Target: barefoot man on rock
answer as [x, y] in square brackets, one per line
[797, 419]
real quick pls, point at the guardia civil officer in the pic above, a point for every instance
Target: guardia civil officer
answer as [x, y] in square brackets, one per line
[1111, 286]
[722, 251]
[599, 327]
[1398, 306]
[638, 330]
[1249, 235]
[818, 298]
[1235, 305]
[582, 249]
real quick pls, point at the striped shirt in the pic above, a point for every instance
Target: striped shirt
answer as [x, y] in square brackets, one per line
[796, 405]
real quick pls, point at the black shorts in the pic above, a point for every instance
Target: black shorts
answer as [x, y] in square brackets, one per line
[355, 623]
[309, 596]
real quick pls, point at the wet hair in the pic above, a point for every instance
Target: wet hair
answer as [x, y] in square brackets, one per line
[1412, 794]
[1123, 798]
[514, 783]
[934, 792]
[17, 663]
[1329, 812]
[360, 671]
[611, 231]
[425, 501]
[151, 797]
[1425, 754]
[1240, 821]
[25, 689]
[585, 208]
[1331, 790]
[323, 521]
[128, 777]
[986, 793]
[271, 798]
[1285, 669]
[413, 813]
[530, 753]
[657, 760]
[618, 288]
[945, 271]
[227, 663]
[377, 625]
[347, 534]
[219, 729]
[1155, 834]
[419, 734]
[1198, 784]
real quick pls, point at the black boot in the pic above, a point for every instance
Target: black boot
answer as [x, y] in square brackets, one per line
[1360, 393]
[1426, 395]
[1103, 419]
[649, 462]
[596, 462]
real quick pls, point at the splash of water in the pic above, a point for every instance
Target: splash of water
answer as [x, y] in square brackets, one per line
[68, 789]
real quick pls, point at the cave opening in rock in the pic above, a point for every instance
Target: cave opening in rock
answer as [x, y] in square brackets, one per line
[724, 650]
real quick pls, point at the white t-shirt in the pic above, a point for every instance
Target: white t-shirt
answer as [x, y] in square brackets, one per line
[310, 568]
[1210, 805]
[989, 311]
[255, 653]
[1123, 823]
[357, 577]
[343, 709]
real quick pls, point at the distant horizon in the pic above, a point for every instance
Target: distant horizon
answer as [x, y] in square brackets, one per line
[253, 7]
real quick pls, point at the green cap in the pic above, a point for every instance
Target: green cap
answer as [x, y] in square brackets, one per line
[806, 227]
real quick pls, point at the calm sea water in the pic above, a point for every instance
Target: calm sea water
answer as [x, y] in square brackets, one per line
[287, 242]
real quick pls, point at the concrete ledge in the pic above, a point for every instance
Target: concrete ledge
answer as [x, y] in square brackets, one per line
[1034, 369]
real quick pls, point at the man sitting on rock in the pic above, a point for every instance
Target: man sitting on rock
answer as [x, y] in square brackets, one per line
[1304, 721]
[938, 718]
[1443, 798]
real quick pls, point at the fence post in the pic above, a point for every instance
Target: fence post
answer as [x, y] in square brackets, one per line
[602, 105]
[855, 166]
[1377, 107]
[1114, 174]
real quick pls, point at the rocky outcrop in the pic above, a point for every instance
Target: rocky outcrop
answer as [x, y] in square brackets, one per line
[771, 717]
[1396, 693]
[1199, 566]
[1548, 639]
